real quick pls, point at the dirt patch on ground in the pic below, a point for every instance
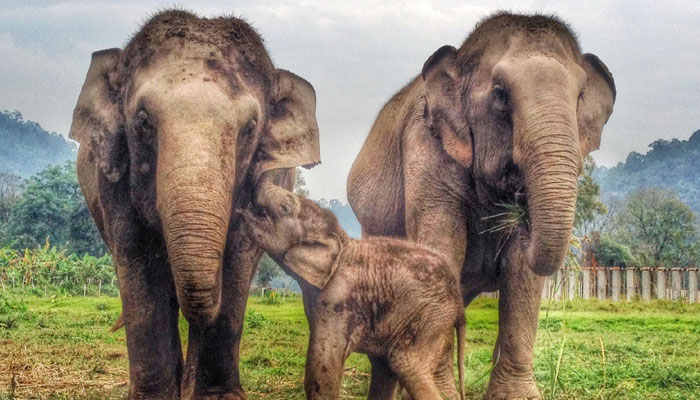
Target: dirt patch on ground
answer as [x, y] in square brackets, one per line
[28, 371]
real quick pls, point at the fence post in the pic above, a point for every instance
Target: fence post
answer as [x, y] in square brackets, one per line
[630, 283]
[692, 285]
[660, 283]
[544, 288]
[616, 283]
[602, 281]
[559, 278]
[675, 284]
[646, 284]
[586, 283]
[572, 284]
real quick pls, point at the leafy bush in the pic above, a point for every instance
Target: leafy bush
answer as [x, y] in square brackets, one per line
[254, 319]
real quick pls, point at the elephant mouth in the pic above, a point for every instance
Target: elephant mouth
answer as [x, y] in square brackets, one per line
[256, 219]
[508, 214]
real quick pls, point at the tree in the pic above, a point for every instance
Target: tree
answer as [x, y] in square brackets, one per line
[10, 186]
[300, 184]
[267, 271]
[659, 228]
[588, 204]
[52, 206]
[609, 253]
[83, 234]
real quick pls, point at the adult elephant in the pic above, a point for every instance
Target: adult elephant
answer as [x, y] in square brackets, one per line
[501, 123]
[175, 132]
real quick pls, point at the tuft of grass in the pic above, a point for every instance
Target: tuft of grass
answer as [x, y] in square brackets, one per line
[512, 216]
[515, 215]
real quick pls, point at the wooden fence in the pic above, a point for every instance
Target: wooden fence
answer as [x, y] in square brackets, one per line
[620, 284]
[616, 284]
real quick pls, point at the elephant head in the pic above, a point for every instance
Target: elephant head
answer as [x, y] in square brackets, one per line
[185, 120]
[519, 106]
[298, 234]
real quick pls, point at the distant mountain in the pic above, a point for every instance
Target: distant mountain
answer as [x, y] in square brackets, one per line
[26, 148]
[673, 164]
[346, 217]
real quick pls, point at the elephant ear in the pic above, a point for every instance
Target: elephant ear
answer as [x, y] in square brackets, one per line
[596, 103]
[444, 112]
[313, 260]
[96, 117]
[292, 136]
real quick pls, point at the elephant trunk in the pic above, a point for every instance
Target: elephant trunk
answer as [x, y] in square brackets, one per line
[551, 172]
[194, 196]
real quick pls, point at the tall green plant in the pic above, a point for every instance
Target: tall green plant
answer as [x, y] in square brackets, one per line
[49, 268]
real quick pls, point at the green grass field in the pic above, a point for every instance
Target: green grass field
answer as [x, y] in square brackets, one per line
[60, 348]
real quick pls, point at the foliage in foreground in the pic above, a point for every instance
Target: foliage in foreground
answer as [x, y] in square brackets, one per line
[61, 348]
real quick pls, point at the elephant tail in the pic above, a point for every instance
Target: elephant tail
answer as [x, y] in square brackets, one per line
[461, 327]
[118, 324]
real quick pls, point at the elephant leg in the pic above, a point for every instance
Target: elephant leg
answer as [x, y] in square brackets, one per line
[416, 376]
[212, 365]
[150, 312]
[444, 372]
[518, 311]
[383, 382]
[324, 365]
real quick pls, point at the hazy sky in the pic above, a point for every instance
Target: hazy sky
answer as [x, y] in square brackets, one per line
[358, 53]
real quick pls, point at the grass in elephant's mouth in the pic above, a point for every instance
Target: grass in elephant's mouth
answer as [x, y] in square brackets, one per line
[62, 349]
[512, 216]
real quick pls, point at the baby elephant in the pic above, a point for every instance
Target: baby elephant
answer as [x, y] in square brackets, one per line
[389, 299]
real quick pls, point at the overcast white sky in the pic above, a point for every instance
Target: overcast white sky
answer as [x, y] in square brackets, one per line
[358, 53]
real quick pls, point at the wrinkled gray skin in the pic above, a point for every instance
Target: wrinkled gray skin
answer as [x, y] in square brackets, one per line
[505, 119]
[175, 132]
[390, 299]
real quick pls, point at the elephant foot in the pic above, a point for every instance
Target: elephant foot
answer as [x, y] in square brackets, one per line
[162, 395]
[513, 390]
[235, 394]
[159, 388]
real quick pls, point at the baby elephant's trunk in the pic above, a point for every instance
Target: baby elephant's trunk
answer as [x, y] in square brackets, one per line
[461, 326]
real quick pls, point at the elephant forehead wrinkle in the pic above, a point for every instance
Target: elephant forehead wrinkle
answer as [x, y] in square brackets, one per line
[189, 94]
[173, 29]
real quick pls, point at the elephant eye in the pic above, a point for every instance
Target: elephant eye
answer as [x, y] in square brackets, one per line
[144, 126]
[250, 128]
[499, 98]
[580, 100]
